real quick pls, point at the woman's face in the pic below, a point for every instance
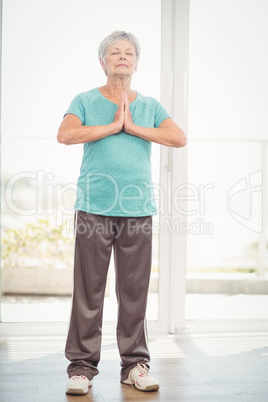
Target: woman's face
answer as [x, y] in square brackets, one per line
[120, 59]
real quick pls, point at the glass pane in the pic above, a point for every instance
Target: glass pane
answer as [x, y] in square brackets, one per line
[44, 68]
[228, 100]
[225, 219]
[228, 89]
[225, 215]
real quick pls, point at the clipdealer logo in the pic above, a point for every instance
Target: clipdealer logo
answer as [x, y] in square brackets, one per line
[39, 194]
[245, 201]
[47, 197]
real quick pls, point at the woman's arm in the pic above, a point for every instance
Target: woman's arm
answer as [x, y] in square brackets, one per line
[168, 133]
[71, 130]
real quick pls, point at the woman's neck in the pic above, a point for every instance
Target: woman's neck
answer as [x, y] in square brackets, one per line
[114, 88]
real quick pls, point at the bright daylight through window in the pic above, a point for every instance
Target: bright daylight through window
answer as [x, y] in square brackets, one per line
[39, 175]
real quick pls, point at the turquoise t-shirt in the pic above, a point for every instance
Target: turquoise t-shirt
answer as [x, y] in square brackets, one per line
[115, 175]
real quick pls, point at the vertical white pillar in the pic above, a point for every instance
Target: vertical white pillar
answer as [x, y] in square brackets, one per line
[0, 135]
[262, 260]
[173, 175]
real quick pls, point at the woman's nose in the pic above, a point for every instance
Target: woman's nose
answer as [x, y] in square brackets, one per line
[122, 57]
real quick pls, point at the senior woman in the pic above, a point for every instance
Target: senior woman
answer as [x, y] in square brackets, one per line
[113, 210]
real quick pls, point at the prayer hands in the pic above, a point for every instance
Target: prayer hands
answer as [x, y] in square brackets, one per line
[123, 115]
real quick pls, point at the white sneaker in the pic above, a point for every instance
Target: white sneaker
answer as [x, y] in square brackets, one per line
[78, 385]
[140, 378]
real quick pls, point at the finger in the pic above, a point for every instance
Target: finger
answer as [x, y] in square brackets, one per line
[121, 103]
[126, 100]
[126, 104]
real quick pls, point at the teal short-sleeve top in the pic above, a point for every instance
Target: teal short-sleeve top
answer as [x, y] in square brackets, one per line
[115, 175]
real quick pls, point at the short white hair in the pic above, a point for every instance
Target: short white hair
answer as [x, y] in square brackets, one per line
[115, 37]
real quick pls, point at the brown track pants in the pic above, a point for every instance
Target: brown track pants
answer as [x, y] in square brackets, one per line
[131, 240]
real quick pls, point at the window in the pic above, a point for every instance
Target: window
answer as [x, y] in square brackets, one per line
[227, 248]
[50, 55]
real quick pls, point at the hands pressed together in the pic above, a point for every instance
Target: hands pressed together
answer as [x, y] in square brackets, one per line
[71, 130]
[123, 117]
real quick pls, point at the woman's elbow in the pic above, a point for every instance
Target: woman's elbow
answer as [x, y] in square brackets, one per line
[181, 140]
[61, 137]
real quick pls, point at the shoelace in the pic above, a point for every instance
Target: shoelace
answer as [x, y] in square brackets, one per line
[142, 369]
[78, 377]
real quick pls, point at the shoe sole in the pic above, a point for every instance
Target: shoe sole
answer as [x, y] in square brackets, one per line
[153, 387]
[149, 388]
[78, 391]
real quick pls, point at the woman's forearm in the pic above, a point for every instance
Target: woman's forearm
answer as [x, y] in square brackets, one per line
[169, 136]
[78, 134]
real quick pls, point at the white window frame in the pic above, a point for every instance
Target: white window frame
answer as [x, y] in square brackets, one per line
[173, 162]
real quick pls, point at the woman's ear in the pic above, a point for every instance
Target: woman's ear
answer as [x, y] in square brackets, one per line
[102, 65]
